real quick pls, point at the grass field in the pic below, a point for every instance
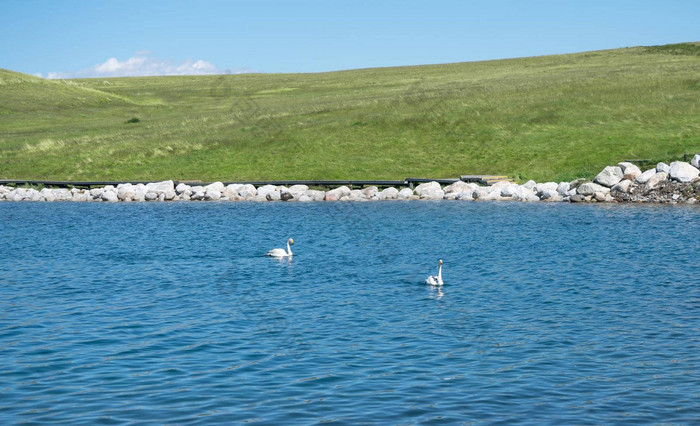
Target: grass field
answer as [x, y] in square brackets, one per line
[543, 118]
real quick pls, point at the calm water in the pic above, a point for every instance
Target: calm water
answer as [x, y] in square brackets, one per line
[114, 313]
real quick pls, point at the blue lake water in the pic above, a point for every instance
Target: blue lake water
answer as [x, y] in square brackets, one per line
[171, 313]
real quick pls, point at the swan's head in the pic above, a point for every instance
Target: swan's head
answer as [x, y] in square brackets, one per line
[440, 261]
[291, 241]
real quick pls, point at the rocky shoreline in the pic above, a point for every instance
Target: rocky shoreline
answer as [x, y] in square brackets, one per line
[678, 182]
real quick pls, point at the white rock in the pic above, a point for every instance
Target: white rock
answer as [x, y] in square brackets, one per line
[590, 188]
[356, 195]
[62, 194]
[623, 186]
[541, 187]
[298, 190]
[80, 195]
[459, 187]
[267, 189]
[247, 191]
[663, 167]
[371, 192]
[315, 195]
[151, 196]
[211, 194]
[548, 194]
[390, 193]
[609, 176]
[563, 188]
[467, 195]
[655, 180]
[511, 190]
[160, 187]
[272, 195]
[530, 184]
[47, 194]
[110, 196]
[125, 192]
[181, 188]
[140, 192]
[96, 192]
[405, 194]
[695, 162]
[430, 190]
[629, 170]
[683, 172]
[644, 177]
[305, 198]
[215, 186]
[337, 193]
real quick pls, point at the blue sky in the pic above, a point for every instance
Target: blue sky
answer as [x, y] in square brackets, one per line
[80, 38]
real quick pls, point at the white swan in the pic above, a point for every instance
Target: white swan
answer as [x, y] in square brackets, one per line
[278, 252]
[435, 279]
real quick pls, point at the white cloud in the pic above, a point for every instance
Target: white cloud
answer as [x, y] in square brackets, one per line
[142, 65]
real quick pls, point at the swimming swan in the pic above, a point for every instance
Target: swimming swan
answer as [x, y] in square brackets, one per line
[435, 280]
[278, 252]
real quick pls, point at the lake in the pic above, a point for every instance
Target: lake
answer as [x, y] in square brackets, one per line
[171, 313]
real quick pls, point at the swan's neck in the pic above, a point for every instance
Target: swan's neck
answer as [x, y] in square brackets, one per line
[440, 274]
[289, 249]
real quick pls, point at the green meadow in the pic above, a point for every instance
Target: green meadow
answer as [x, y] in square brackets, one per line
[543, 118]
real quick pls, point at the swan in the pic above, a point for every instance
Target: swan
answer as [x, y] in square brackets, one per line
[433, 279]
[278, 252]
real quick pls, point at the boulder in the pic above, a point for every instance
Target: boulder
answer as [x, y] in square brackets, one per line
[247, 191]
[125, 192]
[216, 186]
[655, 180]
[609, 176]
[271, 195]
[315, 195]
[286, 196]
[79, 195]
[371, 192]
[695, 162]
[151, 196]
[550, 194]
[110, 196]
[629, 170]
[530, 184]
[590, 188]
[405, 194]
[298, 190]
[305, 199]
[683, 172]
[574, 184]
[390, 193]
[563, 188]
[458, 187]
[62, 194]
[663, 167]
[541, 187]
[140, 192]
[430, 190]
[181, 188]
[160, 187]
[96, 192]
[356, 195]
[337, 193]
[511, 190]
[268, 189]
[623, 186]
[170, 196]
[644, 177]
[211, 194]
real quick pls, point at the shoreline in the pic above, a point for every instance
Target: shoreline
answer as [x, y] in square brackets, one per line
[676, 183]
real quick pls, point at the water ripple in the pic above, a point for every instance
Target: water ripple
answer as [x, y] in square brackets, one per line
[170, 313]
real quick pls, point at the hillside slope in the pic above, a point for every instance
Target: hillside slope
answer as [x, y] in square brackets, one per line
[551, 117]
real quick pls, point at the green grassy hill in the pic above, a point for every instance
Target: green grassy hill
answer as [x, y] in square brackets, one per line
[543, 118]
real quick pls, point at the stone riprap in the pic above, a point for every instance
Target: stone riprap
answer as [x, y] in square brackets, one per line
[678, 182]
